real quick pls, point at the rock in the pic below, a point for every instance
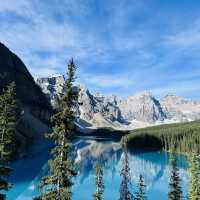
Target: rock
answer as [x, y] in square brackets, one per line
[28, 92]
[140, 110]
[180, 109]
[142, 107]
[31, 100]
[90, 105]
[52, 86]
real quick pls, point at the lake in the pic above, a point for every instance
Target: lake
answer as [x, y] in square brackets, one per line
[154, 166]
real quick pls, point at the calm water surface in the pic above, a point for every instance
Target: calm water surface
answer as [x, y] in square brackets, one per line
[154, 166]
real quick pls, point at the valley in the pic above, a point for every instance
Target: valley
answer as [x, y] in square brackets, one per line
[153, 130]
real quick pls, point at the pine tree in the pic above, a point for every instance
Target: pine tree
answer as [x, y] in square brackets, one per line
[8, 108]
[175, 187]
[57, 184]
[125, 193]
[140, 194]
[194, 191]
[99, 183]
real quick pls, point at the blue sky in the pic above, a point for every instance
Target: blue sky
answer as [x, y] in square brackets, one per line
[120, 46]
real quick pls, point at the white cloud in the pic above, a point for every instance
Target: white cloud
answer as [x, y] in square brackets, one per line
[44, 72]
[42, 33]
[188, 37]
[180, 88]
[111, 35]
[20, 7]
[44, 67]
[108, 81]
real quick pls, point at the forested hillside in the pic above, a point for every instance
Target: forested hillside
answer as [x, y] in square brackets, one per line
[182, 137]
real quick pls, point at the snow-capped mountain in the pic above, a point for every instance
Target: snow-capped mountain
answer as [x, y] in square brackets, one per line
[52, 86]
[136, 111]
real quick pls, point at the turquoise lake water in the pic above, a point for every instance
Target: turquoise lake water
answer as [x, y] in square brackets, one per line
[154, 166]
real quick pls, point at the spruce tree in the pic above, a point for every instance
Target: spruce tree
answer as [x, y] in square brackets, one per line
[8, 112]
[99, 183]
[194, 190]
[57, 184]
[125, 193]
[140, 194]
[175, 192]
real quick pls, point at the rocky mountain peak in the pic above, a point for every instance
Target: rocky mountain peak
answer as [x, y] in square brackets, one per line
[52, 86]
[174, 99]
[83, 89]
[142, 108]
[91, 105]
[179, 108]
[143, 94]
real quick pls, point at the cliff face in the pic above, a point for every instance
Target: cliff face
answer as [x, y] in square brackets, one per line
[51, 86]
[34, 106]
[28, 92]
[180, 109]
[143, 107]
[139, 110]
[94, 106]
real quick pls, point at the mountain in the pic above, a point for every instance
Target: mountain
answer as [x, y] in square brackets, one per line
[51, 86]
[13, 69]
[140, 110]
[142, 107]
[34, 105]
[180, 109]
[96, 106]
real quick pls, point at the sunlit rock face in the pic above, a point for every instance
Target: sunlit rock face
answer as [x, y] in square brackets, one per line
[142, 107]
[52, 86]
[136, 111]
[98, 107]
[180, 109]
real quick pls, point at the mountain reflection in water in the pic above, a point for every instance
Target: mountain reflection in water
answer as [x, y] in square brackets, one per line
[154, 166]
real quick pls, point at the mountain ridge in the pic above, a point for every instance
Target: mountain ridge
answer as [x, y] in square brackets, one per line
[136, 111]
[34, 107]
